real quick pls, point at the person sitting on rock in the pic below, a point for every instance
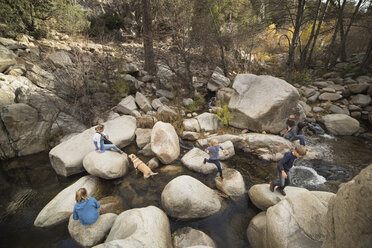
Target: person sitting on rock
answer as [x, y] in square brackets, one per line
[290, 119]
[214, 155]
[283, 167]
[102, 142]
[86, 208]
[295, 132]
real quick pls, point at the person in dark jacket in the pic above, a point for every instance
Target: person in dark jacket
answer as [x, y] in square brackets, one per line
[295, 132]
[86, 208]
[283, 167]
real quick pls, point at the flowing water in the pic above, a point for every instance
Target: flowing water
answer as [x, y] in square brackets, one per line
[27, 184]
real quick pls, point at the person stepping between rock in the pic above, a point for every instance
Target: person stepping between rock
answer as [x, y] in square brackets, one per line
[214, 155]
[102, 142]
[283, 167]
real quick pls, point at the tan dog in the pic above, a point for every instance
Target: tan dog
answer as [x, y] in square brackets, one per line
[141, 166]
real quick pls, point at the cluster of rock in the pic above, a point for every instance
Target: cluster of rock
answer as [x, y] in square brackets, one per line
[339, 102]
[313, 218]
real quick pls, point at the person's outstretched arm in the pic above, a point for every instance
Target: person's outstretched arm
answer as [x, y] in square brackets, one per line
[75, 216]
[96, 203]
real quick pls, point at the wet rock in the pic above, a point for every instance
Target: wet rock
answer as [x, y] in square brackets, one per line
[233, 183]
[143, 137]
[67, 157]
[127, 105]
[340, 124]
[193, 160]
[262, 103]
[111, 204]
[187, 198]
[349, 213]
[153, 163]
[145, 227]
[164, 142]
[208, 122]
[171, 169]
[7, 58]
[190, 135]
[329, 96]
[263, 198]
[106, 165]
[143, 102]
[361, 100]
[90, 235]
[218, 80]
[191, 125]
[189, 237]
[256, 231]
[61, 206]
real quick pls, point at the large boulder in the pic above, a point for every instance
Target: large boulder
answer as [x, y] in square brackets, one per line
[107, 165]
[208, 122]
[166, 113]
[193, 160]
[263, 198]
[218, 80]
[187, 198]
[24, 131]
[262, 103]
[349, 213]
[127, 105]
[256, 231]
[361, 100]
[67, 157]
[340, 124]
[143, 137]
[191, 125]
[164, 142]
[233, 183]
[90, 235]
[142, 227]
[190, 237]
[7, 58]
[229, 150]
[62, 205]
[303, 216]
[60, 59]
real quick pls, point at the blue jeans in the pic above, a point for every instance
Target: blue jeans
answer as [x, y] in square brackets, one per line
[217, 163]
[300, 138]
[282, 182]
[111, 146]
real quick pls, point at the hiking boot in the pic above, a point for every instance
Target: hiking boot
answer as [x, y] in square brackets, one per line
[271, 187]
[205, 161]
[281, 191]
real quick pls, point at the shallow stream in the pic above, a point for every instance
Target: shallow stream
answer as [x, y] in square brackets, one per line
[27, 184]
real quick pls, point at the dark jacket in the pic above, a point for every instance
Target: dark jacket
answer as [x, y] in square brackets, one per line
[86, 211]
[286, 162]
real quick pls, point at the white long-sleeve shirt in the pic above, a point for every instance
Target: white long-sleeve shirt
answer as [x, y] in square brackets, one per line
[97, 138]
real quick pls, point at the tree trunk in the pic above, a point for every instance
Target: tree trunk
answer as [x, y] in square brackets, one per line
[292, 50]
[303, 55]
[147, 37]
[308, 61]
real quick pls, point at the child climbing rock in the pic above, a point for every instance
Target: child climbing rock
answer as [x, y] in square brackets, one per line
[102, 142]
[214, 155]
[283, 167]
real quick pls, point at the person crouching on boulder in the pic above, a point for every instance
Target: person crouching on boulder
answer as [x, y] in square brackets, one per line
[214, 155]
[86, 208]
[102, 142]
[283, 167]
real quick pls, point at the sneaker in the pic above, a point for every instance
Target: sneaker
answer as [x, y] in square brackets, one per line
[281, 191]
[271, 187]
[121, 152]
[205, 161]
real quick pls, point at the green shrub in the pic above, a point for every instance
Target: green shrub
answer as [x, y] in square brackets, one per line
[224, 115]
[198, 104]
[70, 18]
[301, 77]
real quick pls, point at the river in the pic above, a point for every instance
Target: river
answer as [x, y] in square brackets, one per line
[28, 183]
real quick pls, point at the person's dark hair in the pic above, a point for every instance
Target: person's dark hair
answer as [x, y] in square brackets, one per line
[301, 125]
[291, 123]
